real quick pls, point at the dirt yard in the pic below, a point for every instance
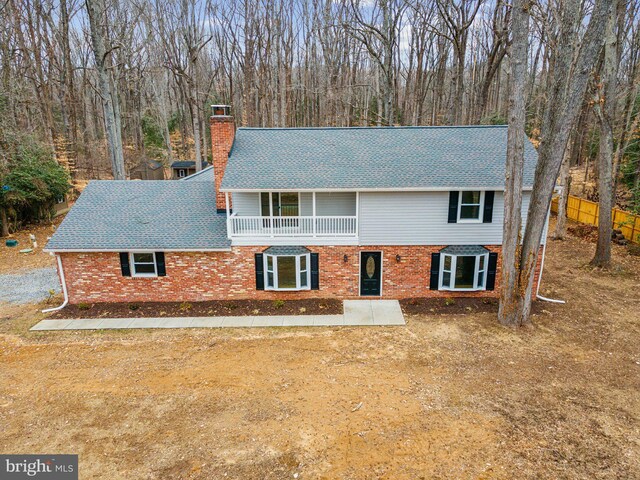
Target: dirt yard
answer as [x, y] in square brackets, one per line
[447, 396]
[12, 261]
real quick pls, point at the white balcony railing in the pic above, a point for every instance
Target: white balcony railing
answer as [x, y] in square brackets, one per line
[241, 226]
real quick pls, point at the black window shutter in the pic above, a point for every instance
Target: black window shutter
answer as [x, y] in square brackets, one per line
[488, 207]
[124, 264]
[435, 271]
[491, 271]
[453, 207]
[315, 272]
[160, 266]
[259, 272]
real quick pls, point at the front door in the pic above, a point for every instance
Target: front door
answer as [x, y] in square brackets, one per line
[370, 273]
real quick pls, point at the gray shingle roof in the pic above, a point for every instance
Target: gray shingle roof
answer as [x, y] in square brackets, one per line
[188, 164]
[204, 175]
[156, 215]
[371, 158]
[464, 250]
[286, 250]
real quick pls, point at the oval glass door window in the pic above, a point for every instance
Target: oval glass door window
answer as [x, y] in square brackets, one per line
[371, 266]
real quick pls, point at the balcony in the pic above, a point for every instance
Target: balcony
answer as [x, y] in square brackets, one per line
[290, 226]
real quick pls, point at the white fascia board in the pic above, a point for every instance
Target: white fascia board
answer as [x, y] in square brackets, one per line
[132, 249]
[411, 189]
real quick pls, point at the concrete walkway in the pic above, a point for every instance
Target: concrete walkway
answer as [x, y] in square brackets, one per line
[356, 313]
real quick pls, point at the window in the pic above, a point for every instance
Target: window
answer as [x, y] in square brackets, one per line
[470, 206]
[286, 272]
[182, 173]
[463, 272]
[143, 265]
[279, 204]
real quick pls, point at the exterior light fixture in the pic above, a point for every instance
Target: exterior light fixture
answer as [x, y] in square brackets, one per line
[346, 258]
[398, 258]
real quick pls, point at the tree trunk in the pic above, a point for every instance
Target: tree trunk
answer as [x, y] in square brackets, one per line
[567, 88]
[4, 221]
[605, 110]
[510, 298]
[565, 182]
[96, 12]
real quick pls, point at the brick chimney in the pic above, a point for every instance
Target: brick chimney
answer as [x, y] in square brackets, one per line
[223, 130]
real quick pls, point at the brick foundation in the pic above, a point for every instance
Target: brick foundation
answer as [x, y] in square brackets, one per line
[199, 276]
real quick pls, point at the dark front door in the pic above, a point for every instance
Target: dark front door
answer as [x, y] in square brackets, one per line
[370, 273]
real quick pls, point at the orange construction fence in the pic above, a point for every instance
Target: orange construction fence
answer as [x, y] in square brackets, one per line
[586, 211]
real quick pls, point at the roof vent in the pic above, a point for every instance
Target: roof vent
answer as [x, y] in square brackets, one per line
[220, 110]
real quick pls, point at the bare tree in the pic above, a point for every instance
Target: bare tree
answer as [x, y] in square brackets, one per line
[96, 11]
[605, 108]
[510, 301]
[573, 63]
[458, 15]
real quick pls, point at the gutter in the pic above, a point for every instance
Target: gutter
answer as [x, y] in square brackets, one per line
[545, 299]
[64, 289]
[374, 190]
[130, 249]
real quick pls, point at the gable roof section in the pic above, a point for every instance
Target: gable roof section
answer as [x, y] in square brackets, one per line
[113, 215]
[372, 158]
[204, 175]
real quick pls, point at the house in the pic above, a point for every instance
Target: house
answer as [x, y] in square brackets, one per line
[301, 212]
[147, 170]
[184, 168]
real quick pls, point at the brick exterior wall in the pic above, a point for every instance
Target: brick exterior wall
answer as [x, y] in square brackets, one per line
[223, 131]
[199, 276]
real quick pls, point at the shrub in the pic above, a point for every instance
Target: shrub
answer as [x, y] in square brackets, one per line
[278, 303]
[30, 178]
[84, 306]
[449, 301]
[185, 306]
[231, 306]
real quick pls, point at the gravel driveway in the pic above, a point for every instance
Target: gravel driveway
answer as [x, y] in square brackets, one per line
[29, 286]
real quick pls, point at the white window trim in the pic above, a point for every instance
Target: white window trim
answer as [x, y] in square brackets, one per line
[182, 173]
[271, 212]
[132, 266]
[275, 273]
[480, 210]
[452, 277]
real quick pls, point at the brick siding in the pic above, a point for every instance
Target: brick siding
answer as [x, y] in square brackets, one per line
[199, 276]
[223, 130]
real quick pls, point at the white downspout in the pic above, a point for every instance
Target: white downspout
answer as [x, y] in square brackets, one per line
[64, 289]
[552, 300]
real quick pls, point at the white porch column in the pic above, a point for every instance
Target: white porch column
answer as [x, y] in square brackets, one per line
[226, 201]
[314, 214]
[357, 211]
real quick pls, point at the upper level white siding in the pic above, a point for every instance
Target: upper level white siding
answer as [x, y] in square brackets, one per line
[421, 218]
[330, 204]
[389, 218]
